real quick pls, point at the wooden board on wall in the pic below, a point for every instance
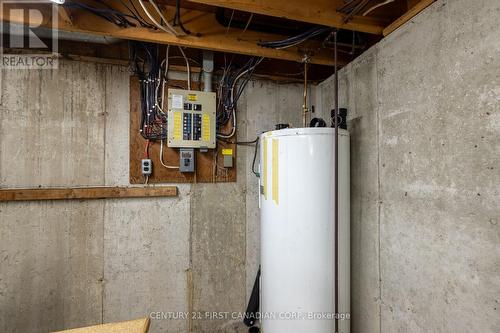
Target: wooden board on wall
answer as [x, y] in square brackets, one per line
[207, 171]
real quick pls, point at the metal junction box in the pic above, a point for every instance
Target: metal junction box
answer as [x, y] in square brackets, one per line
[191, 119]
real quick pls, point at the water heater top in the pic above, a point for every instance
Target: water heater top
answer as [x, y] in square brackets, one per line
[305, 131]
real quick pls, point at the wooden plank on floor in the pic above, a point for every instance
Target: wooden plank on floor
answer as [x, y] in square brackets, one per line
[89, 193]
[132, 326]
[407, 16]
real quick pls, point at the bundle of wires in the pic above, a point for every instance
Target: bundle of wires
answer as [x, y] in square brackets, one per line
[229, 92]
[146, 65]
[105, 11]
[296, 40]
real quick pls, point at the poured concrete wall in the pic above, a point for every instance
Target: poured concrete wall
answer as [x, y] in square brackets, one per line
[424, 118]
[75, 263]
[424, 110]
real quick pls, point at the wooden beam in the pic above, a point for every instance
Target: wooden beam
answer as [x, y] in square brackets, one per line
[64, 15]
[323, 12]
[213, 35]
[407, 16]
[90, 193]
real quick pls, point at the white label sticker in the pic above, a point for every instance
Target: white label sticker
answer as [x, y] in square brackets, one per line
[177, 102]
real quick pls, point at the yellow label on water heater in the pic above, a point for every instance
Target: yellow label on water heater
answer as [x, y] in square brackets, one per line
[276, 176]
[264, 176]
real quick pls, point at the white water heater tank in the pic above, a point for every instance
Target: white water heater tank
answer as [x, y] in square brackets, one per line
[297, 231]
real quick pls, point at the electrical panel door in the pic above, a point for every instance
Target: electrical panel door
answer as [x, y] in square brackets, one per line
[191, 119]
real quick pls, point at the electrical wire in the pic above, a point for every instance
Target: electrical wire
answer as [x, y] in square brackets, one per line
[177, 17]
[188, 68]
[138, 14]
[369, 10]
[133, 10]
[145, 64]
[107, 12]
[354, 7]
[161, 158]
[230, 21]
[229, 93]
[295, 40]
[165, 76]
[246, 25]
[158, 10]
[169, 29]
[256, 145]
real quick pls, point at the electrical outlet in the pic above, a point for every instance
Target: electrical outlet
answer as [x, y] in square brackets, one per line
[147, 167]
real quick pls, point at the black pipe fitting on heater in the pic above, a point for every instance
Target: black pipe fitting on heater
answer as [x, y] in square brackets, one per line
[281, 126]
[341, 118]
[317, 122]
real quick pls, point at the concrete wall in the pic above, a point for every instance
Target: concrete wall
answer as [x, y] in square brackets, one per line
[77, 263]
[425, 128]
[424, 109]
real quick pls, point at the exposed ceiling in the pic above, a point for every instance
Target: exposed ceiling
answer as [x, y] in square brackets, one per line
[240, 26]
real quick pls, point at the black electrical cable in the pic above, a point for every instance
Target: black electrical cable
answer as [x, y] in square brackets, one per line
[230, 90]
[110, 14]
[148, 69]
[177, 17]
[295, 40]
[255, 143]
[137, 15]
[256, 173]
[107, 12]
[247, 142]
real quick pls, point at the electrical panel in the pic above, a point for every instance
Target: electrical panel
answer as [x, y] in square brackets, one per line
[191, 119]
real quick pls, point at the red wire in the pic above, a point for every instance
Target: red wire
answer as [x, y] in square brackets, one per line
[146, 150]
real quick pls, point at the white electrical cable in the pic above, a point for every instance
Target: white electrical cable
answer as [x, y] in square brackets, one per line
[163, 81]
[376, 6]
[157, 90]
[155, 6]
[165, 76]
[188, 68]
[161, 158]
[170, 29]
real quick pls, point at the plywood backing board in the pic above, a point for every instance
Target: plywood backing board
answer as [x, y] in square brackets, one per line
[207, 171]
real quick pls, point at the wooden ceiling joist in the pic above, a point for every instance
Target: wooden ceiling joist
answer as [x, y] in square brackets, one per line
[417, 8]
[213, 36]
[323, 12]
